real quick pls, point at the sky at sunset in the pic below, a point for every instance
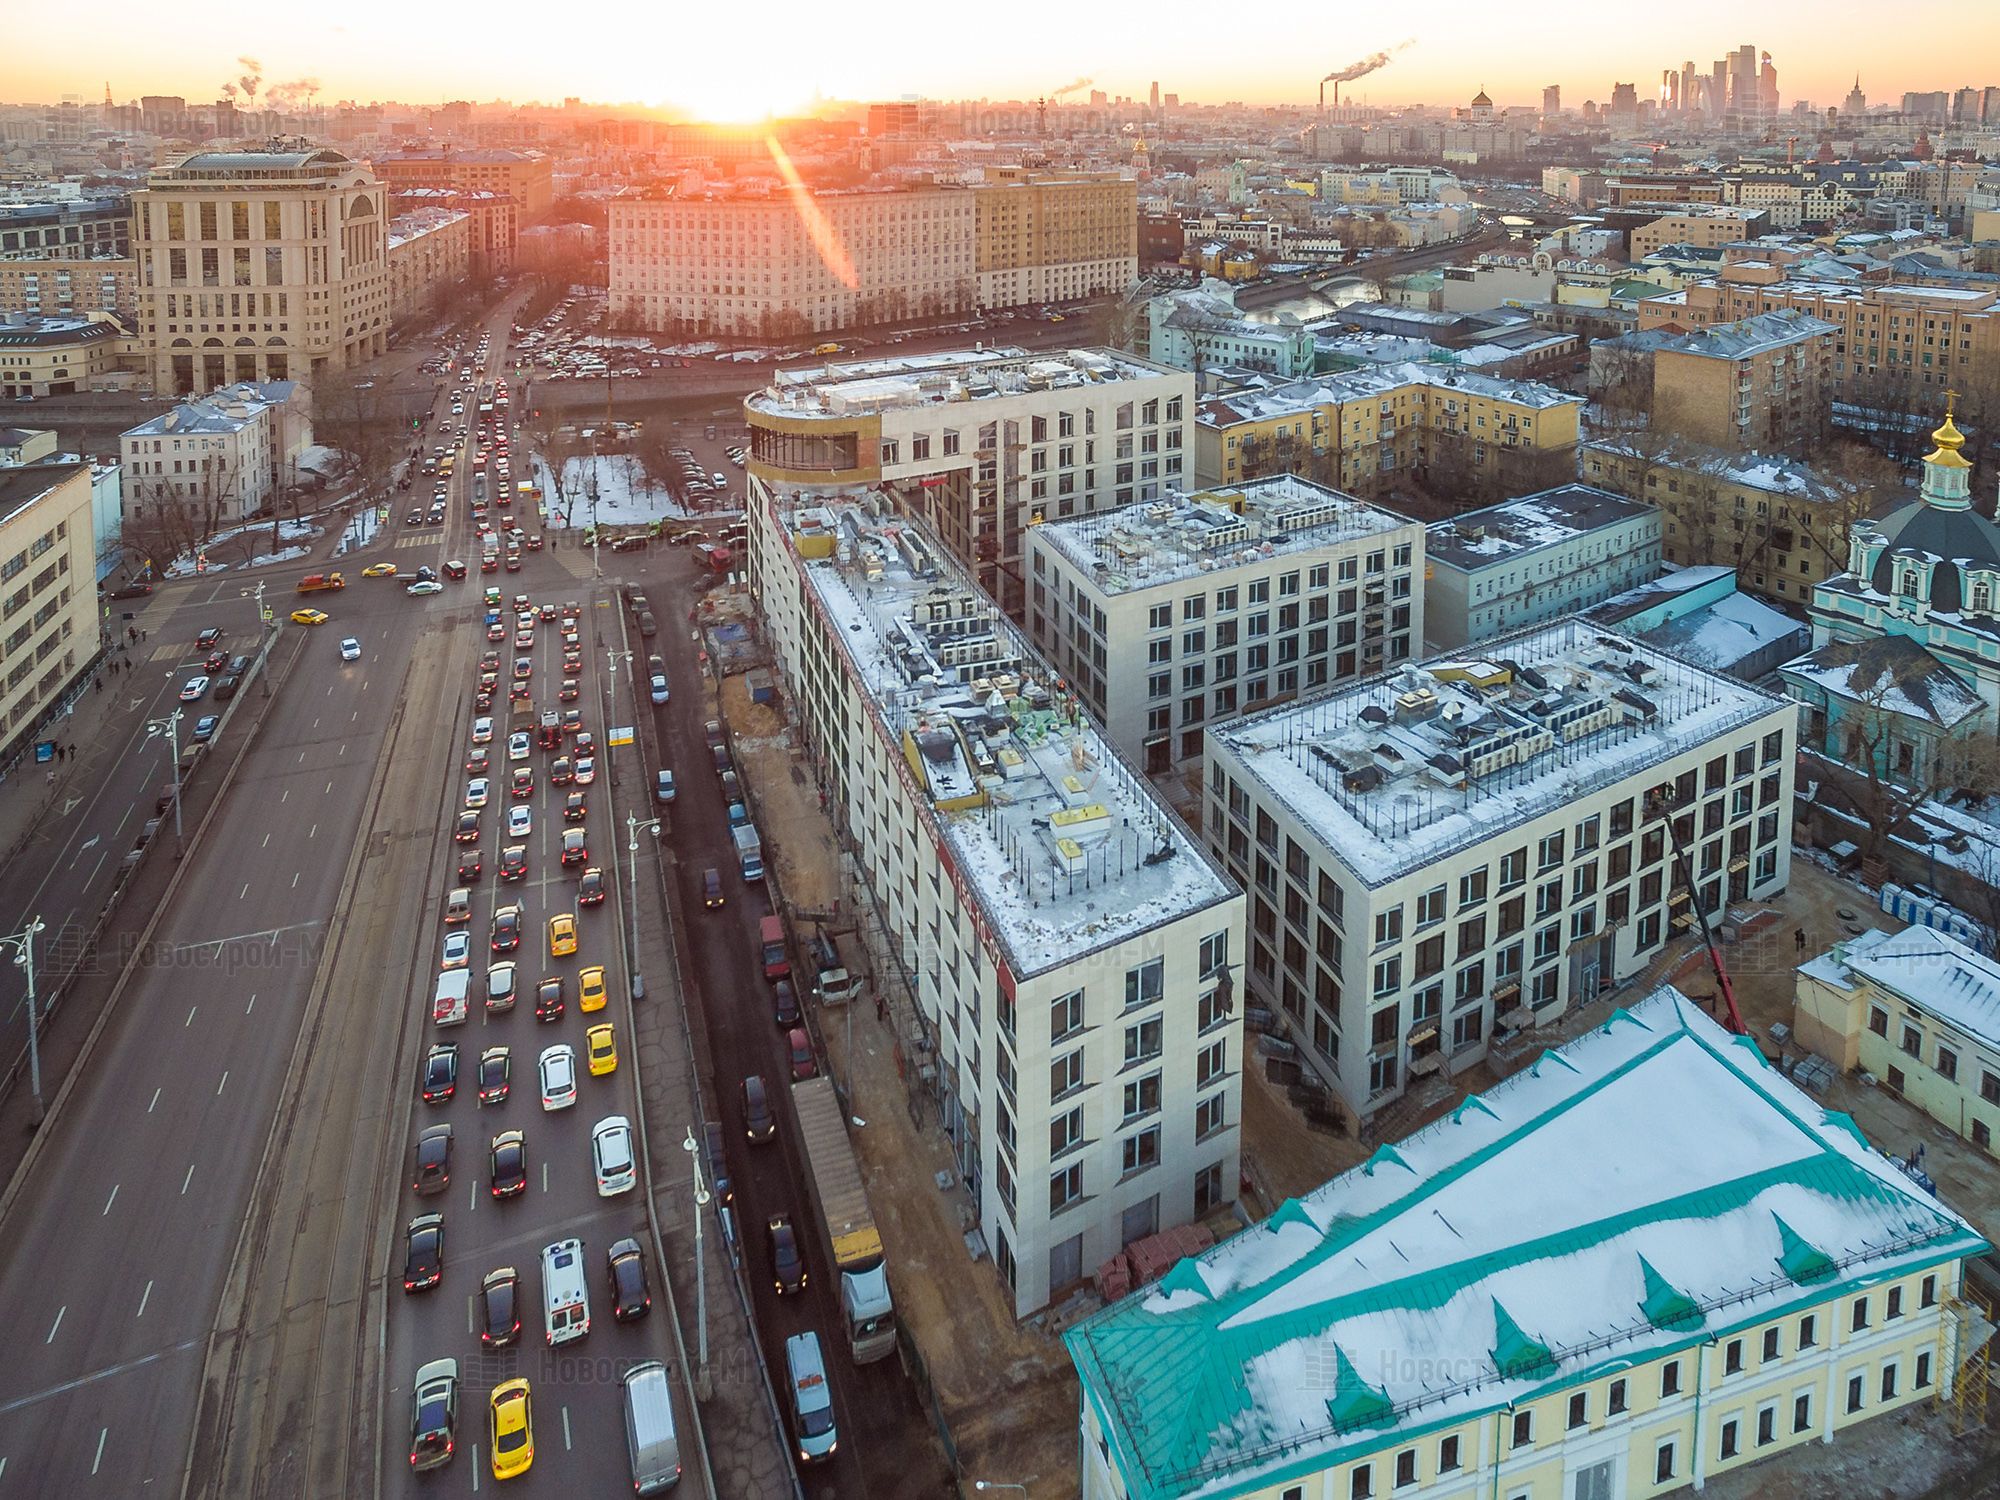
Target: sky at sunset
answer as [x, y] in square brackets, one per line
[740, 61]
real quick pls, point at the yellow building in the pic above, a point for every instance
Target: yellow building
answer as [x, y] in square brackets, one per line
[528, 177]
[70, 288]
[48, 593]
[1645, 1261]
[56, 356]
[430, 249]
[1365, 430]
[1920, 1011]
[1054, 236]
[1706, 228]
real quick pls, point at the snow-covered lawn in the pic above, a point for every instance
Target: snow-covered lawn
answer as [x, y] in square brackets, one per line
[251, 534]
[625, 497]
[360, 531]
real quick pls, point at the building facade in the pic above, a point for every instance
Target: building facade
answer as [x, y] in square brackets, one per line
[1703, 227]
[56, 356]
[260, 265]
[217, 458]
[1760, 384]
[1660, 1319]
[48, 593]
[1048, 236]
[70, 288]
[430, 250]
[495, 221]
[983, 444]
[528, 177]
[1475, 842]
[1526, 561]
[1237, 599]
[72, 229]
[1067, 943]
[1201, 329]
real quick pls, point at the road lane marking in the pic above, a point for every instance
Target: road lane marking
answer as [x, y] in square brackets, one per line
[144, 1298]
[252, 1005]
[57, 1324]
[295, 880]
[329, 789]
[475, 1468]
[187, 1179]
[225, 1079]
[244, 892]
[286, 795]
[109, 1201]
[310, 832]
[97, 1462]
[33, 1397]
[473, 1206]
[315, 721]
[156, 1101]
[565, 1416]
[545, 1177]
[190, 1020]
[267, 842]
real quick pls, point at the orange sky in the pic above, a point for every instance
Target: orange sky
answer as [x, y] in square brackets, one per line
[728, 62]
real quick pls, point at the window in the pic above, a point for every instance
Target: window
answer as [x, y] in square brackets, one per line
[1065, 1016]
[1524, 1428]
[1856, 1392]
[1389, 926]
[1947, 1063]
[1513, 868]
[1430, 907]
[1802, 1412]
[1210, 1063]
[1922, 1377]
[1145, 984]
[1894, 1307]
[1808, 1332]
[1767, 1425]
[1732, 1357]
[1729, 1438]
[1550, 853]
[1670, 1379]
[1361, 1486]
[1616, 1405]
[1663, 1463]
[1472, 888]
[1878, 1020]
[1770, 1344]
[1142, 1096]
[1860, 1320]
[1142, 1151]
[1579, 1409]
[1142, 1041]
[1065, 1131]
[1927, 1295]
[1406, 1467]
[1066, 1073]
[1210, 1115]
[1448, 1455]
[1889, 1381]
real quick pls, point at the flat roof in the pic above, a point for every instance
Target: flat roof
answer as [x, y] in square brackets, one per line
[1156, 543]
[21, 485]
[1680, 1188]
[1933, 970]
[1062, 844]
[1548, 518]
[1437, 756]
[859, 386]
[1379, 380]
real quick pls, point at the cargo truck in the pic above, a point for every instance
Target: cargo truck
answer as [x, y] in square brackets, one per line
[315, 583]
[749, 851]
[853, 1246]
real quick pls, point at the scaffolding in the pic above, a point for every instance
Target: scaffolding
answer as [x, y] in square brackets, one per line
[1967, 1358]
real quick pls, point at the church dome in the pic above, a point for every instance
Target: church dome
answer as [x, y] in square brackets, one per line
[1940, 523]
[1480, 101]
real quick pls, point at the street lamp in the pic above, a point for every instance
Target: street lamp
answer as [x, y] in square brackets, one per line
[701, 1197]
[612, 656]
[169, 729]
[24, 956]
[264, 625]
[633, 823]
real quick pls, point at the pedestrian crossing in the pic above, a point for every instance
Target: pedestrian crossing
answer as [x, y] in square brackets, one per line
[418, 541]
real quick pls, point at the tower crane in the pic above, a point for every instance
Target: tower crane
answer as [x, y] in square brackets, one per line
[1660, 802]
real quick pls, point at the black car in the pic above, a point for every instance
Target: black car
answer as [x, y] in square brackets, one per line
[508, 1170]
[590, 889]
[788, 1266]
[758, 1122]
[514, 862]
[441, 1073]
[506, 928]
[574, 810]
[719, 1181]
[470, 866]
[626, 1267]
[499, 1308]
[226, 686]
[549, 1000]
[423, 1253]
[433, 1163]
[496, 1072]
[215, 661]
[208, 638]
[785, 1003]
[467, 831]
[711, 888]
[723, 764]
[238, 665]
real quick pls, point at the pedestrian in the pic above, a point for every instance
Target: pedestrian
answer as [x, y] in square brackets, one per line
[142, 635]
[1799, 940]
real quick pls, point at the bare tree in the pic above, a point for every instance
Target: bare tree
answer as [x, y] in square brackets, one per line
[354, 413]
[558, 444]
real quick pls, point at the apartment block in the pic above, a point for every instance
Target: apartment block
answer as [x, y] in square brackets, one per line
[527, 177]
[1760, 383]
[430, 250]
[1202, 329]
[1480, 842]
[1069, 945]
[1917, 1009]
[48, 593]
[1368, 430]
[79, 229]
[70, 288]
[260, 265]
[56, 356]
[982, 443]
[1705, 227]
[495, 235]
[1236, 599]
[1526, 561]
[1567, 1289]
[1046, 236]
[218, 457]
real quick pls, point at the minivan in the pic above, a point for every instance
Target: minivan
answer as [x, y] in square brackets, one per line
[650, 1442]
[812, 1398]
[771, 939]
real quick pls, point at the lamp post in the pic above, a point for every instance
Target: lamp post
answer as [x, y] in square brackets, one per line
[633, 823]
[169, 729]
[612, 656]
[263, 629]
[23, 943]
[701, 1386]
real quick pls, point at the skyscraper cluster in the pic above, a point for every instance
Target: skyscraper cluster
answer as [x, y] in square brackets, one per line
[1744, 83]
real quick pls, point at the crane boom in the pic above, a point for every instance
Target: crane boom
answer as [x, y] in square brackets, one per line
[1734, 1020]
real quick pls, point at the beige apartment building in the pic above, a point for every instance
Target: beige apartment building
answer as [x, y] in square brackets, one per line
[1054, 237]
[70, 288]
[260, 265]
[48, 592]
[1706, 228]
[57, 356]
[1758, 384]
[528, 177]
[429, 249]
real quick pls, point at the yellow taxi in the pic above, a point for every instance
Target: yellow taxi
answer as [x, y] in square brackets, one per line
[310, 617]
[379, 570]
[562, 935]
[513, 1430]
[590, 988]
[603, 1050]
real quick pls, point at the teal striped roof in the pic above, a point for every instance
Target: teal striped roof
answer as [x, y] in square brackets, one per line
[1650, 1185]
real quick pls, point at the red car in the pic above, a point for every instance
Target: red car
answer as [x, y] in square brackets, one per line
[569, 692]
[803, 1064]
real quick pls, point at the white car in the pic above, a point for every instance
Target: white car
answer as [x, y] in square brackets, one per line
[350, 649]
[611, 1153]
[475, 792]
[482, 731]
[518, 745]
[586, 770]
[559, 1076]
[196, 686]
[520, 820]
[457, 949]
[425, 586]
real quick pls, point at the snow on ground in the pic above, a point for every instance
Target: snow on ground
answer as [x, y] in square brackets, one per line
[283, 554]
[258, 533]
[360, 531]
[625, 497]
[320, 459]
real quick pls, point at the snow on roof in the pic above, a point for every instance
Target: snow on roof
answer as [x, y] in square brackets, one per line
[1062, 844]
[1498, 533]
[1888, 674]
[1156, 543]
[1379, 380]
[1644, 1189]
[1930, 970]
[860, 386]
[1398, 771]
[416, 222]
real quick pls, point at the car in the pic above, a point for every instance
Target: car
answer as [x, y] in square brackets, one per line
[575, 809]
[226, 686]
[625, 1268]
[468, 828]
[440, 1073]
[194, 689]
[500, 991]
[310, 617]
[572, 720]
[524, 666]
[788, 1265]
[427, 574]
[586, 770]
[499, 1308]
[574, 847]
[570, 691]
[208, 637]
[496, 632]
[207, 724]
[506, 929]
[558, 1076]
[470, 866]
[514, 862]
[562, 934]
[520, 744]
[711, 888]
[454, 569]
[520, 821]
[215, 661]
[590, 988]
[522, 782]
[513, 1429]
[785, 1003]
[483, 701]
[433, 1414]
[663, 785]
[482, 731]
[350, 649]
[712, 735]
[723, 764]
[549, 999]
[475, 793]
[496, 1075]
[476, 761]
[432, 1170]
[611, 1155]
[379, 570]
[507, 1164]
[523, 639]
[424, 586]
[457, 949]
[758, 1122]
[590, 889]
[601, 1049]
[423, 1253]
[799, 1044]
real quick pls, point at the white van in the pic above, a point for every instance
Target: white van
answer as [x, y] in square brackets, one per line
[649, 1429]
[448, 1000]
[565, 1297]
[812, 1398]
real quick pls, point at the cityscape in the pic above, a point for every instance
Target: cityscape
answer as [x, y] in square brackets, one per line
[1192, 769]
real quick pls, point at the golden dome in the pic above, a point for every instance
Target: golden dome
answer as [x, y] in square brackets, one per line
[1948, 439]
[1480, 99]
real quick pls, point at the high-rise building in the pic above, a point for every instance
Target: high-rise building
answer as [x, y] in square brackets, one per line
[1690, 83]
[1767, 87]
[1965, 107]
[46, 539]
[1552, 101]
[1856, 103]
[1743, 88]
[1624, 101]
[1718, 89]
[1155, 98]
[526, 176]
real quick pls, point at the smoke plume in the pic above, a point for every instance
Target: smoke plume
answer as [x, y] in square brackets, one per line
[293, 97]
[1070, 88]
[253, 76]
[1367, 64]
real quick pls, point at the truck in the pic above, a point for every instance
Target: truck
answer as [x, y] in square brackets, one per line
[852, 1243]
[749, 851]
[317, 583]
[835, 985]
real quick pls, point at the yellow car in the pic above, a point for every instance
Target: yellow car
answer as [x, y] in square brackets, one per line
[310, 617]
[379, 570]
[513, 1430]
[603, 1050]
[562, 935]
[591, 988]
